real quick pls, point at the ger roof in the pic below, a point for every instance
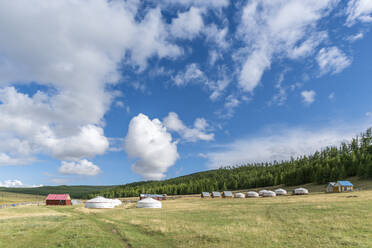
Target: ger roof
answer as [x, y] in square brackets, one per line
[345, 183]
[58, 197]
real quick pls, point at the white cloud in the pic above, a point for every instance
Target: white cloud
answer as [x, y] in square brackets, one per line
[308, 96]
[119, 104]
[355, 37]
[82, 167]
[6, 160]
[198, 3]
[285, 28]
[188, 24]
[16, 184]
[368, 114]
[331, 96]
[72, 48]
[192, 75]
[198, 132]
[216, 35]
[332, 60]
[280, 144]
[358, 10]
[149, 142]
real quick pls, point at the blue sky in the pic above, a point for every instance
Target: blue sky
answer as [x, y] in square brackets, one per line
[110, 92]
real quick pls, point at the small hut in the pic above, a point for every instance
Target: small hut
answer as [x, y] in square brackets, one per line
[239, 195]
[342, 186]
[251, 194]
[58, 199]
[280, 192]
[149, 203]
[330, 187]
[300, 191]
[227, 194]
[205, 195]
[268, 193]
[216, 194]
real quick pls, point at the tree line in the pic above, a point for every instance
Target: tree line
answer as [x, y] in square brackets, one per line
[330, 164]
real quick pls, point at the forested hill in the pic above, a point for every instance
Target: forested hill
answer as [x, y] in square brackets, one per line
[330, 164]
[74, 191]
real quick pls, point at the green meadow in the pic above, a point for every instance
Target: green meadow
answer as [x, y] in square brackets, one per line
[315, 220]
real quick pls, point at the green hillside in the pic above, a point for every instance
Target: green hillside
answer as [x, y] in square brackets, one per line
[74, 191]
[353, 159]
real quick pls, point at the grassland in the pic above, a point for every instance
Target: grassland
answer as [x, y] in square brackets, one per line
[315, 220]
[11, 198]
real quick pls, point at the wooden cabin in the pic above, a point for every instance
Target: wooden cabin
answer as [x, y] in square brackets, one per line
[58, 199]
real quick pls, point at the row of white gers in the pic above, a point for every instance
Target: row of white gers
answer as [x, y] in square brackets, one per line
[102, 202]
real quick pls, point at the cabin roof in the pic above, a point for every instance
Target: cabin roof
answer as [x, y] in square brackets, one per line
[58, 197]
[345, 183]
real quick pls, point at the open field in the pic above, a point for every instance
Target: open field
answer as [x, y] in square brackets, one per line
[316, 220]
[11, 198]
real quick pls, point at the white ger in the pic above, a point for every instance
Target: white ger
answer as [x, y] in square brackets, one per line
[100, 202]
[149, 203]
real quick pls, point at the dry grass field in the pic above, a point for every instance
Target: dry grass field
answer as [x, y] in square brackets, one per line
[315, 220]
[11, 198]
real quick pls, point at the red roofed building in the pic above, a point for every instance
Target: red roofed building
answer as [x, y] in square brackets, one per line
[58, 199]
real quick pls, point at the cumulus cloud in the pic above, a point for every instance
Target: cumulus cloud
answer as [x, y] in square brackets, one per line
[198, 132]
[358, 10]
[332, 60]
[285, 28]
[308, 96]
[280, 145]
[151, 145]
[16, 184]
[70, 49]
[82, 167]
[188, 24]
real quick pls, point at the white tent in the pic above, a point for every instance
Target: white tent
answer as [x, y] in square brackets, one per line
[99, 202]
[261, 192]
[280, 192]
[239, 195]
[300, 191]
[252, 194]
[148, 203]
[268, 193]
